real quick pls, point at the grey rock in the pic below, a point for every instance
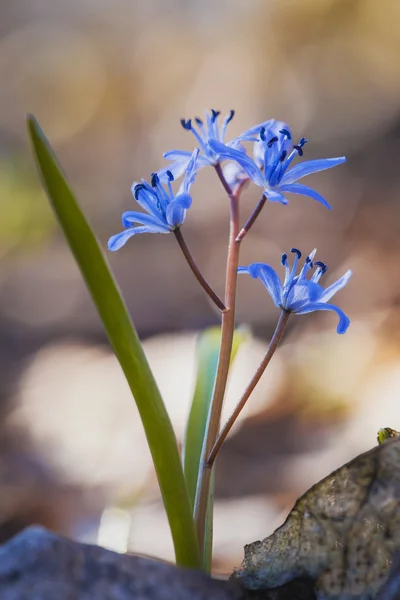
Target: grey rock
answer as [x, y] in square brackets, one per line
[343, 534]
[39, 565]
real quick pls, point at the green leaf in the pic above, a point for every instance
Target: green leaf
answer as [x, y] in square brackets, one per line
[209, 527]
[207, 360]
[126, 345]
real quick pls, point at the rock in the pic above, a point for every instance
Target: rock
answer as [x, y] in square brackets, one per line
[344, 534]
[39, 565]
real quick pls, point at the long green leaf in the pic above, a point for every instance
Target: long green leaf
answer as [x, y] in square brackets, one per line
[126, 345]
[207, 361]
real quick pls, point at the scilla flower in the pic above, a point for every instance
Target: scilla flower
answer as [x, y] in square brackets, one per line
[166, 211]
[269, 168]
[298, 294]
[204, 132]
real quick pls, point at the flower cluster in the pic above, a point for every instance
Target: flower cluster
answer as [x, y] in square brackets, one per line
[271, 167]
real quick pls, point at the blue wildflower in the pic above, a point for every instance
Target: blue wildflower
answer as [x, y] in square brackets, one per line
[204, 133]
[269, 168]
[297, 293]
[166, 211]
[234, 173]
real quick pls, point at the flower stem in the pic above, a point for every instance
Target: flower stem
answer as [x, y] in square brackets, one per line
[245, 229]
[196, 271]
[276, 338]
[227, 331]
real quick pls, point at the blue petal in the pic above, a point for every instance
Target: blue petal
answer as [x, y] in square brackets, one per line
[316, 291]
[117, 241]
[176, 209]
[302, 293]
[311, 166]
[335, 287]
[254, 131]
[258, 154]
[181, 160]
[303, 190]
[274, 196]
[234, 174]
[177, 154]
[298, 296]
[245, 161]
[344, 320]
[146, 198]
[268, 276]
[130, 217]
[191, 172]
[177, 169]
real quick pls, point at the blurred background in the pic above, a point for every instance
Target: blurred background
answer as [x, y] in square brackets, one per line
[109, 81]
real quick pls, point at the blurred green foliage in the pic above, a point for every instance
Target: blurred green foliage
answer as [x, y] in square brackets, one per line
[26, 219]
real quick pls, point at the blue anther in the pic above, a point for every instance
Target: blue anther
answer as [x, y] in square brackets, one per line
[283, 156]
[186, 124]
[286, 132]
[299, 150]
[137, 189]
[272, 141]
[321, 265]
[154, 180]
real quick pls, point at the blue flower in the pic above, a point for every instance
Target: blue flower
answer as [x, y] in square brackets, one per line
[297, 293]
[273, 156]
[204, 133]
[166, 211]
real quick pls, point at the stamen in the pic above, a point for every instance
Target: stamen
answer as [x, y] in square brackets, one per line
[287, 133]
[272, 141]
[262, 134]
[137, 189]
[299, 150]
[283, 156]
[308, 263]
[284, 259]
[154, 180]
[300, 145]
[230, 117]
[322, 266]
[170, 175]
[198, 121]
[295, 251]
[215, 114]
[186, 124]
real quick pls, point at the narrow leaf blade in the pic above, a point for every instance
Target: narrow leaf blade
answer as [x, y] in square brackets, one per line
[126, 345]
[207, 361]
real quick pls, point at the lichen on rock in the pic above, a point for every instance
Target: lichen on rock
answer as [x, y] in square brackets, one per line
[343, 533]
